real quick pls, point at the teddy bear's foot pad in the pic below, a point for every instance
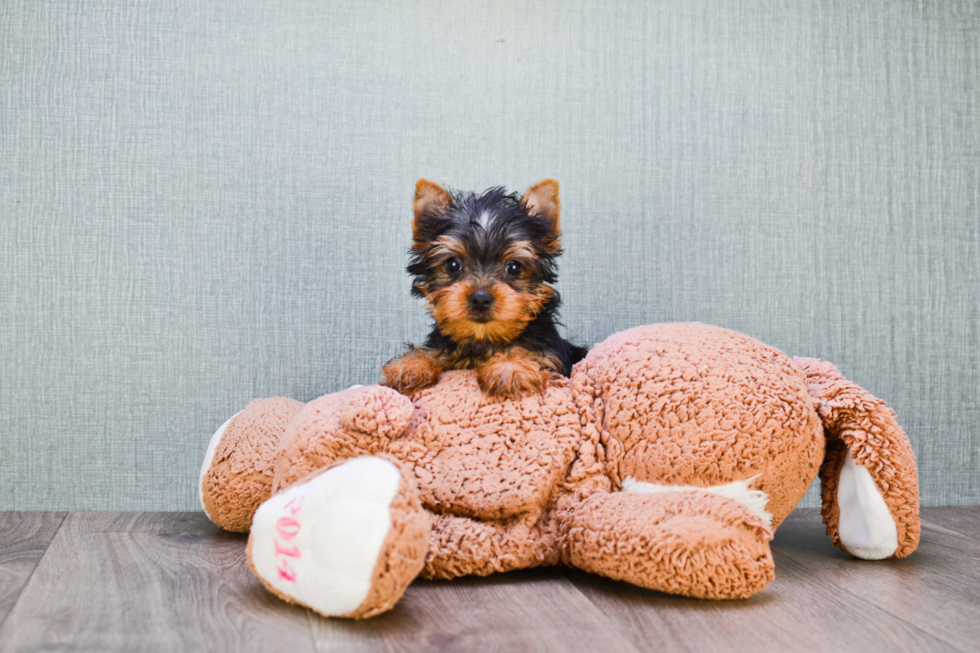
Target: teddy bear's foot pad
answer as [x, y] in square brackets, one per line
[345, 541]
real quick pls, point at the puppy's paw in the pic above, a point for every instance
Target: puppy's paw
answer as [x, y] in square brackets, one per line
[416, 370]
[511, 377]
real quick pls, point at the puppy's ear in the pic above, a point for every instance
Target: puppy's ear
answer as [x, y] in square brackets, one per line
[428, 197]
[541, 200]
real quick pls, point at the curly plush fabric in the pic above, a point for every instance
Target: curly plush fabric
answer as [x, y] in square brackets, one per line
[240, 475]
[691, 542]
[487, 469]
[358, 422]
[685, 404]
[863, 425]
[717, 434]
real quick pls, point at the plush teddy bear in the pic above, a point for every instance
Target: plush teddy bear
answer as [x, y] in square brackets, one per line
[666, 460]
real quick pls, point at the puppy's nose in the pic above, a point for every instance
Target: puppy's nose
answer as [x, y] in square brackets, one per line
[481, 300]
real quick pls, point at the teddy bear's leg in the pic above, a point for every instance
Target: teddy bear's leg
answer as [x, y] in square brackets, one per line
[689, 542]
[345, 541]
[868, 480]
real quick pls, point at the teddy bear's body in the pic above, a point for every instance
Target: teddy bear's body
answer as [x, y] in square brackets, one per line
[665, 460]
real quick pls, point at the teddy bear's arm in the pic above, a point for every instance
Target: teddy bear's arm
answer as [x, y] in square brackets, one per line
[360, 421]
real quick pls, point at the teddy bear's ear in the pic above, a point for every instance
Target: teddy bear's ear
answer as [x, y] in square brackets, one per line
[429, 198]
[541, 200]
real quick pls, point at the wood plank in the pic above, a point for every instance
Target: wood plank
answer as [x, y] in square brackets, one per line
[798, 611]
[532, 610]
[158, 581]
[152, 581]
[24, 537]
[962, 519]
[936, 589]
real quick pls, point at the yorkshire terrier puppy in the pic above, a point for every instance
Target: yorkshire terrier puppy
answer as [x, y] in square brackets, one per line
[483, 264]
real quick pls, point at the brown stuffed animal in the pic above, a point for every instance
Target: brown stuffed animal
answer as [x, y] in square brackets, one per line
[666, 460]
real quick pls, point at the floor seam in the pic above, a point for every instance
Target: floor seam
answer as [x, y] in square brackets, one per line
[309, 627]
[30, 576]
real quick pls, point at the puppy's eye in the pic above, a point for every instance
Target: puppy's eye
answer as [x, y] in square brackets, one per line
[453, 265]
[514, 268]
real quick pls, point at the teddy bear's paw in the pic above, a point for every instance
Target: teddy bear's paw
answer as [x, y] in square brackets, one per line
[511, 377]
[345, 541]
[378, 410]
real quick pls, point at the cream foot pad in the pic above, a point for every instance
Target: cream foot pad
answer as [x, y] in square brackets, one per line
[345, 541]
[866, 527]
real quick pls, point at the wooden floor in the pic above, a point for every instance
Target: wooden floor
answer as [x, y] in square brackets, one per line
[174, 582]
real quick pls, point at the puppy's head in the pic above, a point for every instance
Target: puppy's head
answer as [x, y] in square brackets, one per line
[484, 262]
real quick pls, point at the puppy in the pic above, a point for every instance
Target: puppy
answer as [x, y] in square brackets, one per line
[484, 263]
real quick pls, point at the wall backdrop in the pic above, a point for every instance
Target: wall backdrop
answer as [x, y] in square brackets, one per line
[206, 202]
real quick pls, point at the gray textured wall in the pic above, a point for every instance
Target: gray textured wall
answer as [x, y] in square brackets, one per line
[201, 203]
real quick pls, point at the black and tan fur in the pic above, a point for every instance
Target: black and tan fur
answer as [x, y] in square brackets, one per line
[484, 264]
